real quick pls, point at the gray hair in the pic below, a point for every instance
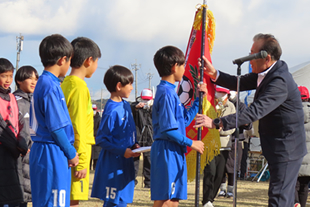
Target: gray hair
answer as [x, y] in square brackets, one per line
[270, 45]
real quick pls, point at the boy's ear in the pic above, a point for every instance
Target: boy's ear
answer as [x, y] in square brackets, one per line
[173, 69]
[61, 61]
[88, 61]
[118, 86]
[19, 82]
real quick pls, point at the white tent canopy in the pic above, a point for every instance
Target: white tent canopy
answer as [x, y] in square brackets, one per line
[300, 73]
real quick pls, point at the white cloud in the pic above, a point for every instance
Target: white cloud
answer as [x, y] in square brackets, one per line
[41, 17]
[150, 20]
[230, 11]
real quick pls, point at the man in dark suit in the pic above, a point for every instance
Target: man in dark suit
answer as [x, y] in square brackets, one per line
[278, 108]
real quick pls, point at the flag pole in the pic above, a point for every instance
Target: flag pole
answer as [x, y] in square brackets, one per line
[204, 14]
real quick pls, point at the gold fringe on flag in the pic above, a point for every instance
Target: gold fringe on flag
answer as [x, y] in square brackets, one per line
[212, 143]
[210, 25]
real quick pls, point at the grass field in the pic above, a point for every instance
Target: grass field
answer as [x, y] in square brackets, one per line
[248, 194]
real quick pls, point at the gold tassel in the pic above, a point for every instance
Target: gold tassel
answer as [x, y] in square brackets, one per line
[211, 141]
[210, 25]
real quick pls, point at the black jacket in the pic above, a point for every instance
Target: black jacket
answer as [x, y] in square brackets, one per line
[277, 106]
[23, 101]
[96, 148]
[10, 149]
[143, 121]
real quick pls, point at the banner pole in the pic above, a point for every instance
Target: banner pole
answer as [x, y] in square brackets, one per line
[197, 187]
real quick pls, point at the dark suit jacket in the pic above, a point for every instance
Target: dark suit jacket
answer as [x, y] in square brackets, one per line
[277, 106]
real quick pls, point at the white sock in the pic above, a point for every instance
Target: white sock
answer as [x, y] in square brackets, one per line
[223, 187]
[230, 188]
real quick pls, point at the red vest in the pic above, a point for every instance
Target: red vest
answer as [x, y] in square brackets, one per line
[9, 111]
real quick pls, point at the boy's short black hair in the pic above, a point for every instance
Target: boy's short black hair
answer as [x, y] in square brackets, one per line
[115, 74]
[54, 47]
[24, 73]
[5, 65]
[84, 48]
[166, 57]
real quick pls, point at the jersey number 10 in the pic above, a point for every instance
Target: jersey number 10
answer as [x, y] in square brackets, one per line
[62, 197]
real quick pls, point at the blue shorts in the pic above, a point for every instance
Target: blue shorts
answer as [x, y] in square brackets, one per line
[50, 175]
[168, 171]
[114, 179]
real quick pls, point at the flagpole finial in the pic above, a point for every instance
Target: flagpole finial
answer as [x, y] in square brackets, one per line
[198, 6]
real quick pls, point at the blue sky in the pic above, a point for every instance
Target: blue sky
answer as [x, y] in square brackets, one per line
[131, 31]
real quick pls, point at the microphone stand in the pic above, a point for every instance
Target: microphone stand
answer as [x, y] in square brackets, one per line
[236, 137]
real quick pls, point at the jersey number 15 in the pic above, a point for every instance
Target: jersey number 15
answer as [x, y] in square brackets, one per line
[111, 194]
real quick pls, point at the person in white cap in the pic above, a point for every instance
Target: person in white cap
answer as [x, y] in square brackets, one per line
[142, 114]
[215, 170]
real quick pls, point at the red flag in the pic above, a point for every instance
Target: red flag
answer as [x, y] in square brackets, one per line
[187, 91]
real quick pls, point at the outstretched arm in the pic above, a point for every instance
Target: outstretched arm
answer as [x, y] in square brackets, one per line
[176, 136]
[189, 115]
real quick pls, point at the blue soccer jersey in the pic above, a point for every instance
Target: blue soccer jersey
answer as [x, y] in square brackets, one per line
[114, 175]
[168, 169]
[49, 171]
[48, 110]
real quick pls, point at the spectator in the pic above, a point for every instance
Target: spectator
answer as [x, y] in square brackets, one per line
[301, 189]
[95, 148]
[214, 171]
[142, 114]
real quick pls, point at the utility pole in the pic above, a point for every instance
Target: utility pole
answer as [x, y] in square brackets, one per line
[150, 76]
[135, 68]
[19, 48]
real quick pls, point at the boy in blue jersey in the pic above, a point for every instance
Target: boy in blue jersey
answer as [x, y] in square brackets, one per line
[115, 174]
[52, 153]
[170, 117]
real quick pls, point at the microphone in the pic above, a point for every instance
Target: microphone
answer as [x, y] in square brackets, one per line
[259, 55]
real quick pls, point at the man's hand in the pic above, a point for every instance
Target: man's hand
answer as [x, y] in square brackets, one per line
[80, 174]
[140, 105]
[203, 121]
[74, 162]
[208, 68]
[199, 146]
[203, 88]
[129, 153]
